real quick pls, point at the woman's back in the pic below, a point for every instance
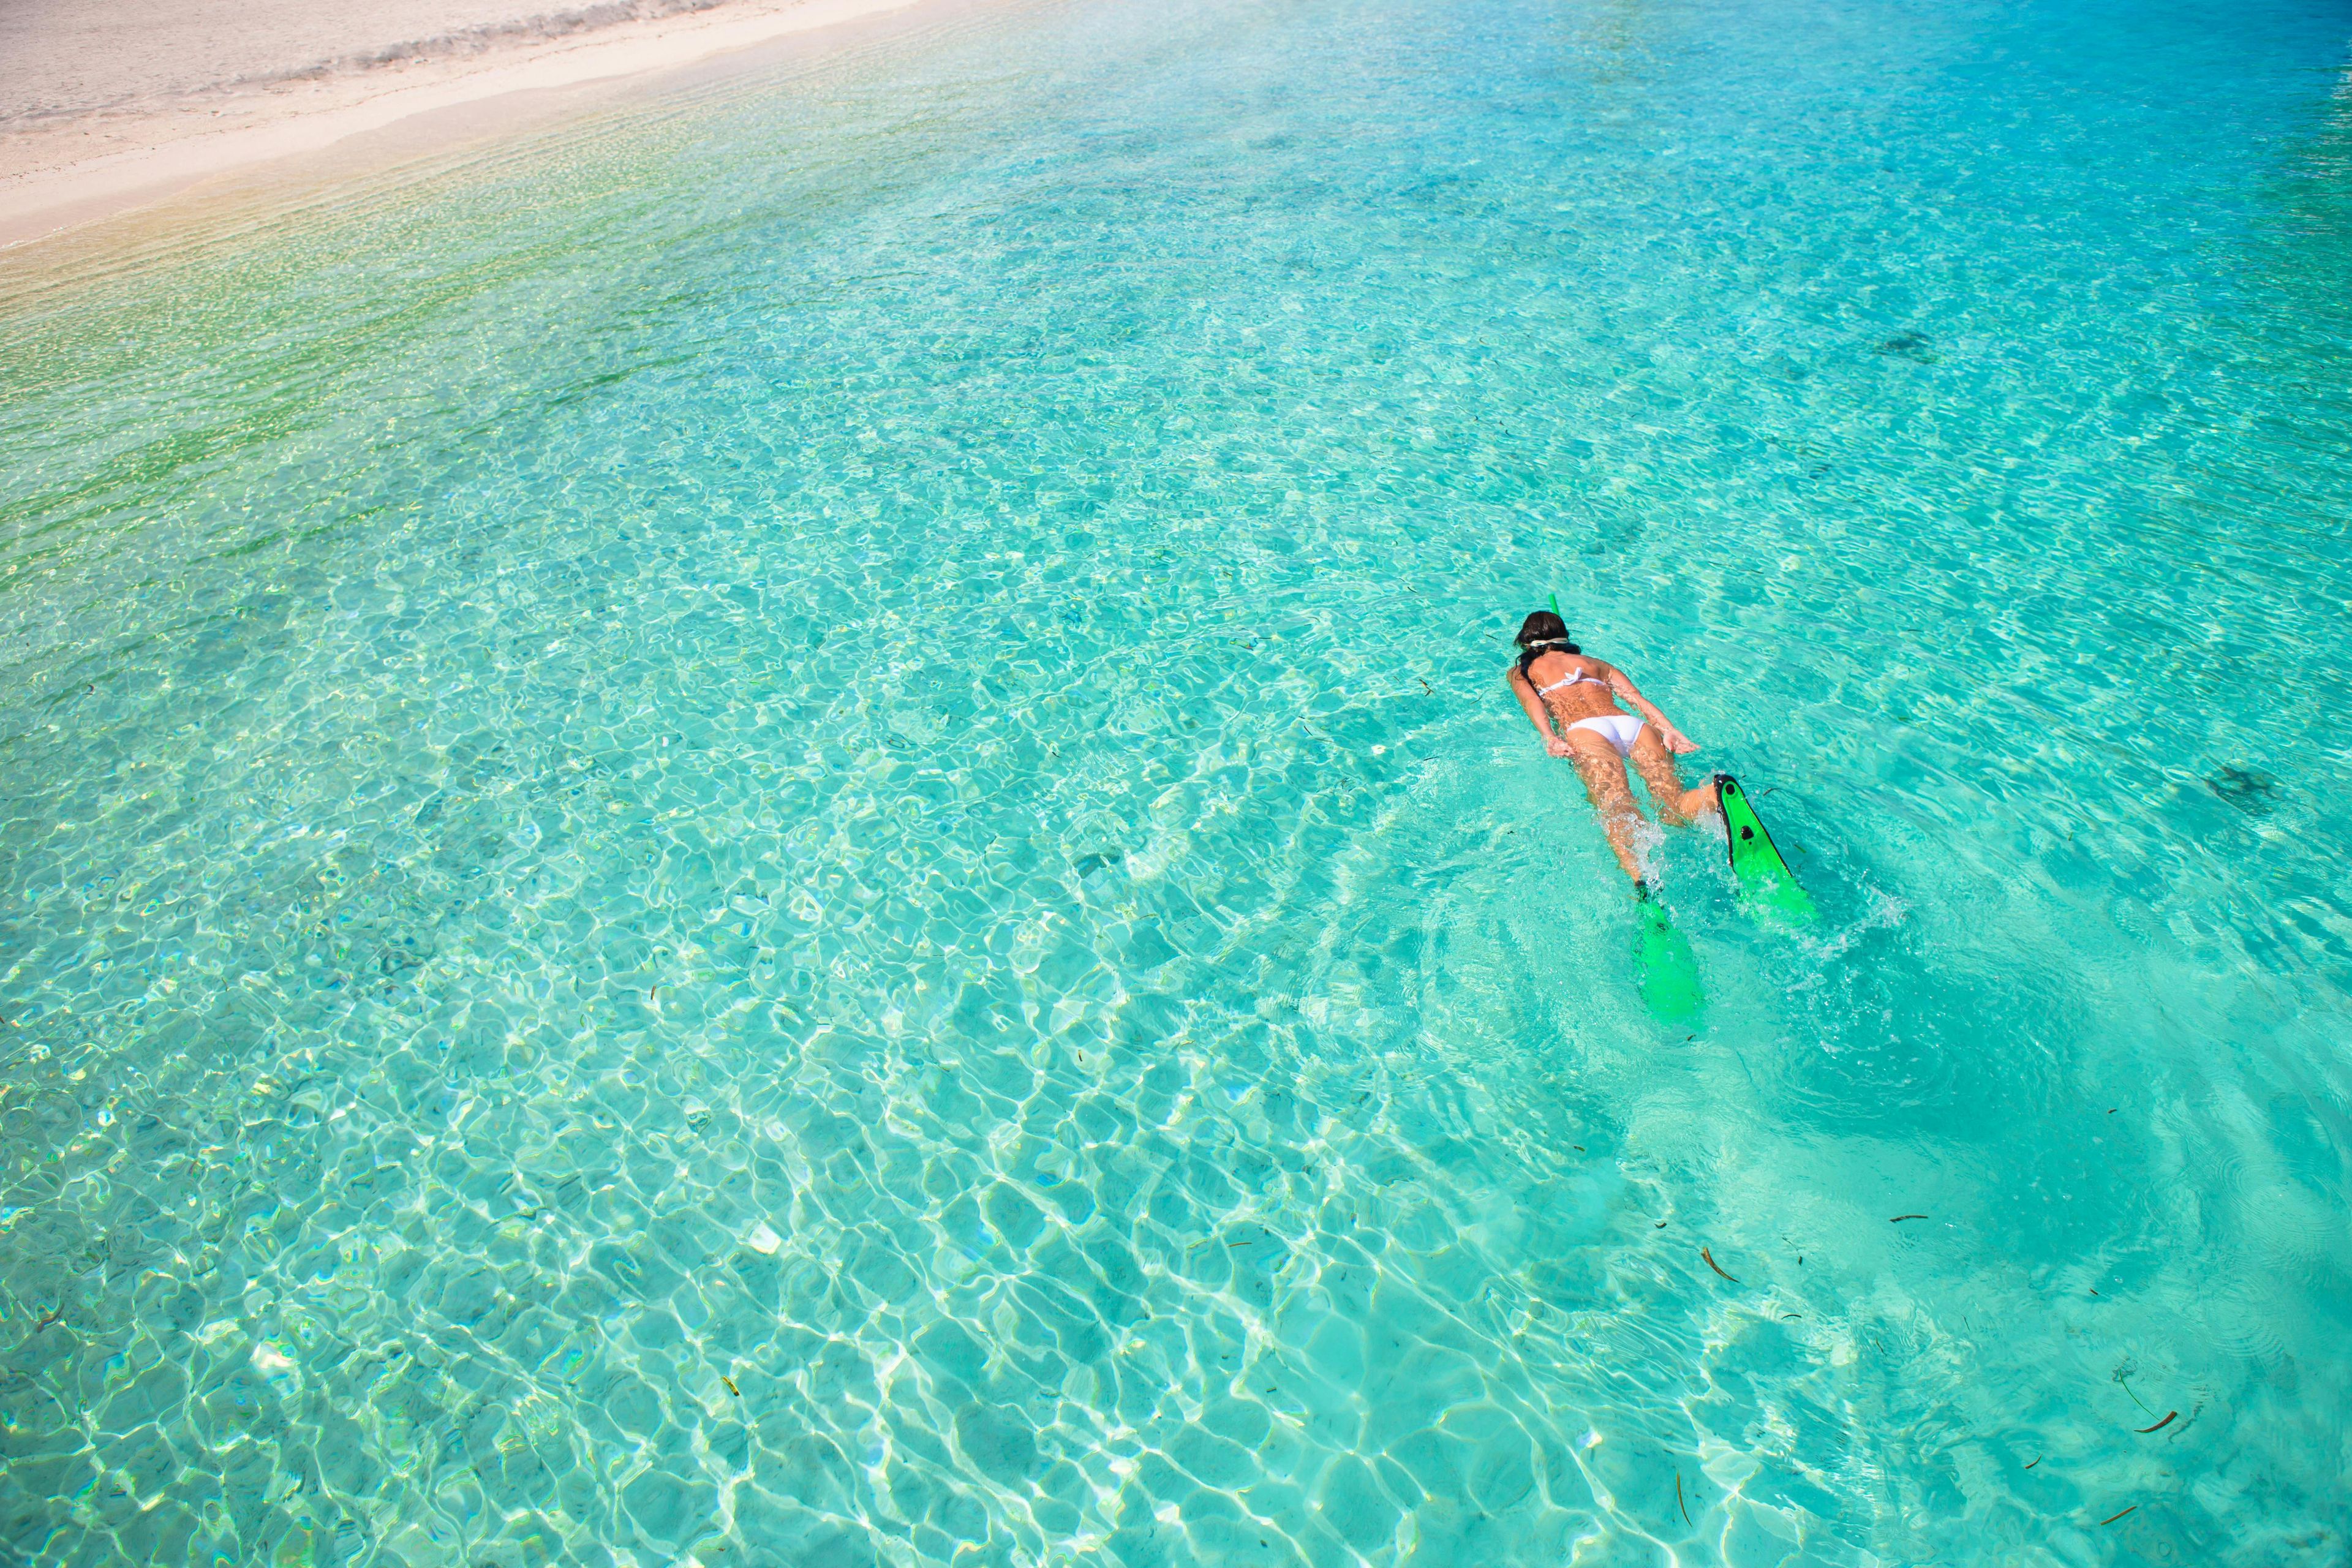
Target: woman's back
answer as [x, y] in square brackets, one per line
[1574, 686]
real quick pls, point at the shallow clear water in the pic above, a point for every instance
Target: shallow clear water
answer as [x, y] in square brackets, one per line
[780, 829]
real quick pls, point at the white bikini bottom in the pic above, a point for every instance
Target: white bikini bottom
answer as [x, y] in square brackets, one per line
[1618, 728]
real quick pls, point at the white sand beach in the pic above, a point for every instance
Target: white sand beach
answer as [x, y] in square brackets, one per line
[108, 104]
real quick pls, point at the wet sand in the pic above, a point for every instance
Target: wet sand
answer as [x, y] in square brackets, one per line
[108, 104]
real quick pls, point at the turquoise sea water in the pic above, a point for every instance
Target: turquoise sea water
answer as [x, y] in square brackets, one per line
[778, 828]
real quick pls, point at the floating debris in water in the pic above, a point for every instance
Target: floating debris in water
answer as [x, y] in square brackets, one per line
[1711, 1263]
[1898, 1219]
[2248, 789]
[2169, 1416]
[2113, 1516]
[730, 1386]
[2036, 1459]
[1678, 1498]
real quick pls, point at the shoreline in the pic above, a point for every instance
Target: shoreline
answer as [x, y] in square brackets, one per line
[144, 154]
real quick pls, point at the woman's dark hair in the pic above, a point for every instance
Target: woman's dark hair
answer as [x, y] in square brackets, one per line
[1541, 633]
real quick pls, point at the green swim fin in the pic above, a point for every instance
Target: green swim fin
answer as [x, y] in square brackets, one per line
[1664, 968]
[1767, 885]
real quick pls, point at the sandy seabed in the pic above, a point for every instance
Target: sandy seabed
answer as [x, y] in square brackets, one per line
[106, 105]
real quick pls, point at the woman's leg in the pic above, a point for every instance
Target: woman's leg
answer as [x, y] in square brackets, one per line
[1675, 805]
[1603, 772]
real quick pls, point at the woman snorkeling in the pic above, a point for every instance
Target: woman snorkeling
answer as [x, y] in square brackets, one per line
[1571, 698]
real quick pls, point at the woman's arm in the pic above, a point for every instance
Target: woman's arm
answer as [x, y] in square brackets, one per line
[1538, 714]
[1623, 684]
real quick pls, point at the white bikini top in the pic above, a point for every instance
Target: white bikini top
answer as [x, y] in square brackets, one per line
[1574, 678]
